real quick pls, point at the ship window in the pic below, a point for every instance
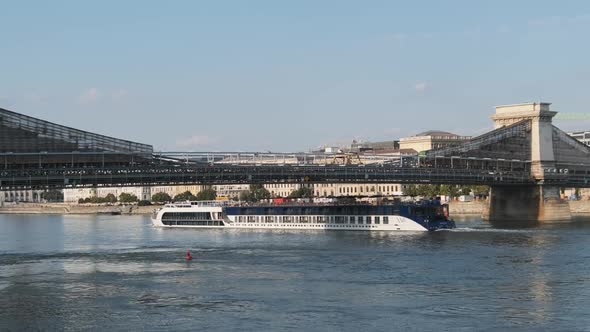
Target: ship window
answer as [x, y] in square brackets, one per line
[186, 216]
[352, 219]
[377, 220]
[368, 220]
[360, 220]
[386, 220]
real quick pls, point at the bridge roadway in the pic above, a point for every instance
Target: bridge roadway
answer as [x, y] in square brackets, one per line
[236, 174]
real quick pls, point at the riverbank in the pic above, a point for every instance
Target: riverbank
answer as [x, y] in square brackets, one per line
[64, 208]
[578, 208]
[466, 208]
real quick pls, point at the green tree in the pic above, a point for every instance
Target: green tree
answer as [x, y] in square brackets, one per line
[259, 192]
[303, 192]
[53, 196]
[256, 193]
[449, 190]
[482, 191]
[127, 198]
[206, 195]
[246, 196]
[144, 202]
[428, 190]
[110, 198]
[185, 196]
[465, 190]
[411, 190]
[161, 197]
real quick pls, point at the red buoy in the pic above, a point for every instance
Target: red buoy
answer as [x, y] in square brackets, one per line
[188, 256]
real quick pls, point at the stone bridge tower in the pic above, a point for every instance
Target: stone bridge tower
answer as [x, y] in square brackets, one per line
[540, 202]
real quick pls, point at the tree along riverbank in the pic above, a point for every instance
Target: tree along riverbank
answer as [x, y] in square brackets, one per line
[65, 208]
[581, 208]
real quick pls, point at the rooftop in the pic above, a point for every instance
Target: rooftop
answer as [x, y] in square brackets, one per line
[436, 133]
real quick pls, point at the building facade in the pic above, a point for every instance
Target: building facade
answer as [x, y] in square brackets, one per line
[582, 136]
[230, 190]
[282, 189]
[73, 195]
[432, 139]
[338, 189]
[21, 196]
[357, 189]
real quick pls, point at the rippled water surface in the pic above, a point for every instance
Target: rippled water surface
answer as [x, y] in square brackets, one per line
[118, 273]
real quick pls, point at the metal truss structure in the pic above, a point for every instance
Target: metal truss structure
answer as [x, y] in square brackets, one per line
[36, 154]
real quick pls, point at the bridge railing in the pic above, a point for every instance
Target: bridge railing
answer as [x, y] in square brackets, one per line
[164, 175]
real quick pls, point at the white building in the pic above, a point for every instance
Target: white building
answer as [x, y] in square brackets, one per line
[73, 195]
[176, 189]
[338, 189]
[357, 189]
[432, 139]
[582, 136]
[281, 189]
[21, 196]
[230, 190]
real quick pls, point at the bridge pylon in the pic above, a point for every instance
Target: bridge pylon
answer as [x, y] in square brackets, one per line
[541, 202]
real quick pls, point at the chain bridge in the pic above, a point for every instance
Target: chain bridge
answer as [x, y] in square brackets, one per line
[525, 160]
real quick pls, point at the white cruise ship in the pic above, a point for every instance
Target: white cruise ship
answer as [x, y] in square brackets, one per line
[423, 216]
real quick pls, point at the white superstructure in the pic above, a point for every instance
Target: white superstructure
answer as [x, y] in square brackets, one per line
[214, 215]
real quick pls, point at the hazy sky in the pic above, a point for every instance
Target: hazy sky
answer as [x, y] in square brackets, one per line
[290, 75]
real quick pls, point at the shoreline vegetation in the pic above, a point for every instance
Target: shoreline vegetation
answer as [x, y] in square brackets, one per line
[578, 208]
[67, 208]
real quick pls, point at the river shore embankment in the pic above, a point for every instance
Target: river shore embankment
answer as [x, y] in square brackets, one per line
[65, 208]
[578, 208]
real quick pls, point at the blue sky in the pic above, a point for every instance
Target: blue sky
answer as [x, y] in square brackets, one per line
[290, 75]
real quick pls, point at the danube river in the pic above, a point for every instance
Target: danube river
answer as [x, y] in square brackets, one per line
[119, 273]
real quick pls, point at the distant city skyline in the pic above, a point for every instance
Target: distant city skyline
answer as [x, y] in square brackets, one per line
[278, 76]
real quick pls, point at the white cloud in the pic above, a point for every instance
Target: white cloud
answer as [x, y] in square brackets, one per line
[421, 87]
[89, 96]
[195, 141]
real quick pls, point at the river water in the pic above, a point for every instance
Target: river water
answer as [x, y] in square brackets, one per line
[119, 273]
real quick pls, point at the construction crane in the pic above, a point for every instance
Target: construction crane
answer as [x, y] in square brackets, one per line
[347, 158]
